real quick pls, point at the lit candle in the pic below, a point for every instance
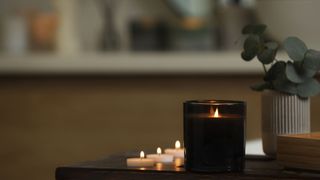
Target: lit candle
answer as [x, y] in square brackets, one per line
[161, 158]
[178, 152]
[214, 135]
[140, 162]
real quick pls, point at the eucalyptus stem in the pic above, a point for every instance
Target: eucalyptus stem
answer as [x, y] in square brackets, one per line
[264, 68]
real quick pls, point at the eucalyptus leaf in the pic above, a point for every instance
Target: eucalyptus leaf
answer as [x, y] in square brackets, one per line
[277, 69]
[267, 56]
[247, 56]
[282, 84]
[293, 75]
[252, 44]
[309, 88]
[251, 47]
[254, 29]
[295, 48]
[312, 60]
[302, 70]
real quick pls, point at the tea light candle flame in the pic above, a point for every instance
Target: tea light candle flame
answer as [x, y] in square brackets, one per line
[142, 155]
[141, 162]
[177, 151]
[161, 158]
[177, 145]
[214, 113]
[159, 151]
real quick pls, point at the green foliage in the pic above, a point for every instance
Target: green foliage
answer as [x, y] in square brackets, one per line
[295, 48]
[294, 76]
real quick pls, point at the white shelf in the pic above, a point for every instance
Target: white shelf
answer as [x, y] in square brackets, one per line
[188, 63]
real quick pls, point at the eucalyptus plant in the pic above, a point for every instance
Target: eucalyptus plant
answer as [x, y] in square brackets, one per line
[295, 76]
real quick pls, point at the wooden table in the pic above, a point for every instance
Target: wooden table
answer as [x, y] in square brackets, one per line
[114, 167]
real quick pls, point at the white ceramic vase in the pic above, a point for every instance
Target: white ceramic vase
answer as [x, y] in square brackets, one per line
[282, 114]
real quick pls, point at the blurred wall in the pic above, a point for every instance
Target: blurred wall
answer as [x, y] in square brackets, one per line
[52, 121]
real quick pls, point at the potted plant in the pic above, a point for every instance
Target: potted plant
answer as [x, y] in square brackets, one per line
[287, 84]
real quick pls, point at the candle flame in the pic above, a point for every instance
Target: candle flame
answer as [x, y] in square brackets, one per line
[142, 154]
[177, 144]
[158, 150]
[214, 113]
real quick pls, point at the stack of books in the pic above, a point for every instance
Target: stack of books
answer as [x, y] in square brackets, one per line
[300, 151]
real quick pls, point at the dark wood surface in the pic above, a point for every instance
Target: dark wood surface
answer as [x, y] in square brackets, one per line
[114, 167]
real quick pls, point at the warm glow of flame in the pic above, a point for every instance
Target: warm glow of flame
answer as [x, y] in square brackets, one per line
[214, 113]
[178, 162]
[142, 154]
[159, 151]
[211, 111]
[177, 144]
[159, 166]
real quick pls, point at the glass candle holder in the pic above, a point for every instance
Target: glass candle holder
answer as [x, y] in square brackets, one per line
[214, 135]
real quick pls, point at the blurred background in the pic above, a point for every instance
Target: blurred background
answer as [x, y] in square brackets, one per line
[81, 79]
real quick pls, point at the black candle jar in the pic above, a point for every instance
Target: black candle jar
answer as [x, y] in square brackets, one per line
[214, 135]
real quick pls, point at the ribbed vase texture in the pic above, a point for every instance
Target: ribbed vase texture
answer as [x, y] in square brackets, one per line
[282, 114]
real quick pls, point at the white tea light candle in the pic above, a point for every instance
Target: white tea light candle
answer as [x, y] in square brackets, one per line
[140, 162]
[161, 158]
[178, 152]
